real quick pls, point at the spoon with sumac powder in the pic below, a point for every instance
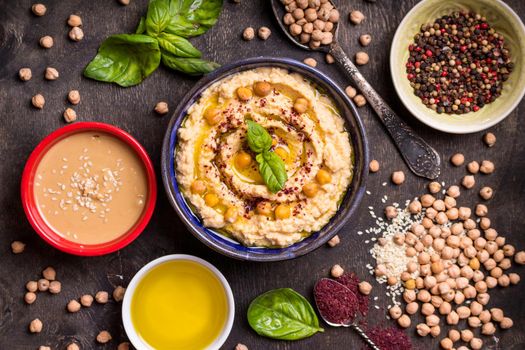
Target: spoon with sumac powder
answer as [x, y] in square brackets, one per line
[313, 25]
[339, 306]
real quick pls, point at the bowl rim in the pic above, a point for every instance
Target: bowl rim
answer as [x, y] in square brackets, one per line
[221, 73]
[37, 220]
[426, 118]
[135, 339]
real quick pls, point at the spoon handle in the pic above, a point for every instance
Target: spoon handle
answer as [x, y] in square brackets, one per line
[365, 337]
[420, 157]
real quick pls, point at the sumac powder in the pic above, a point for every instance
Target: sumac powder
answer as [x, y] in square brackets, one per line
[335, 302]
[389, 338]
[351, 281]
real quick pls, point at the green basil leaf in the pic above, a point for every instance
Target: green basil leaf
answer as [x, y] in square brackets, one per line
[159, 16]
[193, 17]
[125, 59]
[272, 170]
[258, 138]
[192, 66]
[141, 28]
[283, 314]
[178, 46]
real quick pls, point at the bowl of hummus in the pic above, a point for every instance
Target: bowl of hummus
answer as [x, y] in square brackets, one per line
[265, 159]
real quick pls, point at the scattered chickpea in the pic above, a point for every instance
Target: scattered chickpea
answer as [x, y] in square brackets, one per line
[468, 181]
[356, 17]
[365, 39]
[486, 193]
[39, 9]
[435, 331]
[335, 240]
[390, 212]
[248, 34]
[25, 74]
[102, 297]
[161, 108]
[487, 167]
[514, 278]
[118, 293]
[70, 115]
[373, 167]
[395, 311]
[126, 3]
[481, 210]
[17, 247]
[398, 177]
[310, 61]
[361, 58]
[103, 337]
[350, 91]
[49, 273]
[506, 323]
[43, 285]
[72, 346]
[76, 34]
[404, 321]
[453, 191]
[473, 167]
[42, 347]
[30, 297]
[336, 271]
[359, 100]
[86, 300]
[446, 343]
[46, 42]
[489, 139]
[457, 159]
[74, 21]
[126, 346]
[241, 347]
[55, 287]
[74, 97]
[476, 343]
[32, 286]
[73, 306]
[329, 59]
[35, 326]
[365, 288]
[264, 33]
[38, 101]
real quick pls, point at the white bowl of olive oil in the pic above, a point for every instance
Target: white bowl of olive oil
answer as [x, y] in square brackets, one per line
[178, 302]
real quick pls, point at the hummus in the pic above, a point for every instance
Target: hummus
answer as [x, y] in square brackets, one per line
[217, 172]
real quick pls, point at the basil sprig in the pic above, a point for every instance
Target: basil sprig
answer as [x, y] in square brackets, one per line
[161, 36]
[271, 166]
[283, 314]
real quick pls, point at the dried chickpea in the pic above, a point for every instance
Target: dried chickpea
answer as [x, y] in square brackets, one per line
[468, 181]
[506, 323]
[457, 159]
[55, 287]
[487, 167]
[452, 318]
[404, 321]
[486, 193]
[473, 167]
[514, 278]
[336, 271]
[76, 34]
[435, 331]
[520, 257]
[446, 343]
[39, 9]
[356, 17]
[248, 34]
[398, 177]
[365, 287]
[70, 115]
[32, 286]
[453, 191]
[118, 293]
[30, 297]
[161, 108]
[489, 139]
[373, 166]
[434, 187]
[335, 240]
[422, 329]
[432, 320]
[46, 42]
[474, 322]
[488, 328]
[411, 308]
[103, 337]
[365, 39]
[25, 74]
[73, 306]
[86, 300]
[476, 343]
[361, 58]
[35, 326]
[49, 273]
[38, 101]
[481, 210]
[43, 285]
[126, 346]
[73, 346]
[329, 59]
[359, 100]
[395, 312]
[102, 297]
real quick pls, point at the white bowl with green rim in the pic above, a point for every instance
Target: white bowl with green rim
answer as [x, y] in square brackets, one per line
[502, 18]
[131, 328]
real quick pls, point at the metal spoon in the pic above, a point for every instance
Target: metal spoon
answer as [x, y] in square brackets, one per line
[354, 325]
[420, 157]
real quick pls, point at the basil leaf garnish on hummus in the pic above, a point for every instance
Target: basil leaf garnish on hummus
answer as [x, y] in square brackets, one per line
[258, 138]
[272, 170]
[271, 166]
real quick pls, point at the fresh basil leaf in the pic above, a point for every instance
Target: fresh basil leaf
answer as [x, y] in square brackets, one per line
[258, 138]
[159, 16]
[283, 314]
[272, 170]
[141, 28]
[193, 17]
[191, 66]
[178, 46]
[125, 59]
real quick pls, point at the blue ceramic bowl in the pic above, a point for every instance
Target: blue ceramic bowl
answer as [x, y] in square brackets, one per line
[230, 247]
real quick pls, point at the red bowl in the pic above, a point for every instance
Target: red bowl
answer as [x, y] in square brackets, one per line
[37, 220]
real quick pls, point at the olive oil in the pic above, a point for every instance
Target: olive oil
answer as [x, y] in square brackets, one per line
[179, 305]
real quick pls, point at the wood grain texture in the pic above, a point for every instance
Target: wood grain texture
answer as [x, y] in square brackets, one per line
[22, 127]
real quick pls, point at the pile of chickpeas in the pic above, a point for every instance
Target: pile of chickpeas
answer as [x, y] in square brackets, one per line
[311, 21]
[459, 260]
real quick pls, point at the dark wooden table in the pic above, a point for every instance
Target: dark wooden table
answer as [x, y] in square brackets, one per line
[22, 127]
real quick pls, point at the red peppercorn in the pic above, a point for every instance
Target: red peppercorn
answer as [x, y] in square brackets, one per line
[428, 53]
[475, 108]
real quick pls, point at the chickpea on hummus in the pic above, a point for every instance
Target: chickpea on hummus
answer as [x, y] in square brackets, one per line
[218, 172]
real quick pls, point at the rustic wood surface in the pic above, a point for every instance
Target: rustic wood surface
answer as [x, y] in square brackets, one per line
[22, 127]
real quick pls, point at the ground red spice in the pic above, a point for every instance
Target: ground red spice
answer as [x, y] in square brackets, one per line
[351, 281]
[389, 338]
[335, 302]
